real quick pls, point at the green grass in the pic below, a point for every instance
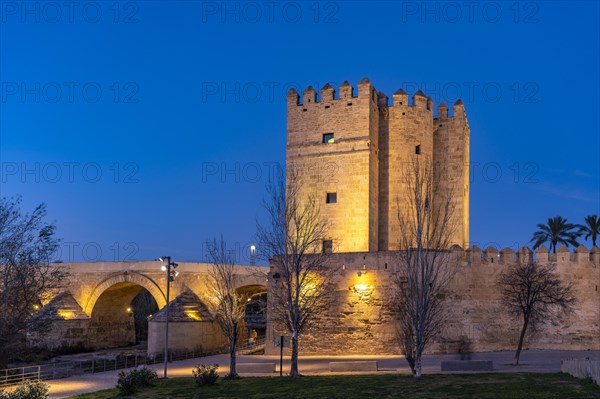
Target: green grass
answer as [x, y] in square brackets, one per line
[513, 385]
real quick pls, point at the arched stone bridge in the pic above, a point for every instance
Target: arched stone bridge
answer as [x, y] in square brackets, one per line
[95, 309]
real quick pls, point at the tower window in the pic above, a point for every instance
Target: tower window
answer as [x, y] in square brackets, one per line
[418, 149]
[331, 198]
[328, 138]
[327, 246]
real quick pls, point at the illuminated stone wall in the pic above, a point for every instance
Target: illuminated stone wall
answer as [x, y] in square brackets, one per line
[347, 165]
[373, 144]
[94, 311]
[361, 319]
[185, 336]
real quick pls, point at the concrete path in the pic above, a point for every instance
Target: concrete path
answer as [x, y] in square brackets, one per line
[531, 361]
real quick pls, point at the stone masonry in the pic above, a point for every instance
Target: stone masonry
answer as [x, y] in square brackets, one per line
[92, 311]
[361, 319]
[357, 147]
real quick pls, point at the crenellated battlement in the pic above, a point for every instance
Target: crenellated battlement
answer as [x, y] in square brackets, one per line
[354, 143]
[476, 258]
[367, 136]
[490, 256]
[473, 306]
[328, 96]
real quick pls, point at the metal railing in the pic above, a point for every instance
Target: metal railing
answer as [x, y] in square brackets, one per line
[52, 371]
[247, 348]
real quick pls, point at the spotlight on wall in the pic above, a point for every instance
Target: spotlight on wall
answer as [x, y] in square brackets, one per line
[360, 287]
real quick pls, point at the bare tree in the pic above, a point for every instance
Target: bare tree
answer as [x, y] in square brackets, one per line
[27, 243]
[225, 303]
[293, 243]
[424, 269]
[535, 294]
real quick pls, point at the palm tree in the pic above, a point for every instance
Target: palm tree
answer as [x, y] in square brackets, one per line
[557, 231]
[591, 228]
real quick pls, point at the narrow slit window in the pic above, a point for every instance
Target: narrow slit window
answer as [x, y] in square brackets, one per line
[328, 138]
[331, 197]
[418, 149]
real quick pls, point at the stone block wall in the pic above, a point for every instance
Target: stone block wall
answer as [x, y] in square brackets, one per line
[361, 320]
[373, 144]
[347, 165]
[185, 336]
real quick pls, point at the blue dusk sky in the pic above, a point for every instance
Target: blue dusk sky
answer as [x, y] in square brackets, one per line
[148, 127]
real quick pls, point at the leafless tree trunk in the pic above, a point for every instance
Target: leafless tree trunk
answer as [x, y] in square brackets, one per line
[293, 243]
[535, 294]
[424, 269]
[26, 245]
[225, 302]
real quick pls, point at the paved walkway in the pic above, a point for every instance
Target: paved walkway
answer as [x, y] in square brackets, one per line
[531, 361]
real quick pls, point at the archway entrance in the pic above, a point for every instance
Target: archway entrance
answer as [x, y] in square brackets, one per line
[120, 316]
[143, 306]
[255, 315]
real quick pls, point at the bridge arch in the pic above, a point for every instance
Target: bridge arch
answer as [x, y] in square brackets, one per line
[125, 277]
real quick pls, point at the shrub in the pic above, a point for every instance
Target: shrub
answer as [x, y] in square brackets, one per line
[27, 390]
[205, 374]
[129, 382]
[126, 383]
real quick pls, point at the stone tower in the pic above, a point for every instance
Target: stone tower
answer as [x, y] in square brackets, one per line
[350, 150]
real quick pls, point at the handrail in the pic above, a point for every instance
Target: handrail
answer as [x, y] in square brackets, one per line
[52, 371]
[57, 370]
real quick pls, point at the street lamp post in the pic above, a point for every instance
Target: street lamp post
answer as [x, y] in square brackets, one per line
[252, 254]
[169, 268]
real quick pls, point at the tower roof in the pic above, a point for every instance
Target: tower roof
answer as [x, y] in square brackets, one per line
[364, 81]
[62, 307]
[345, 84]
[419, 93]
[400, 91]
[458, 102]
[442, 105]
[185, 307]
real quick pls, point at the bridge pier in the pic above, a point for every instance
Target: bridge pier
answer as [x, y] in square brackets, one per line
[191, 327]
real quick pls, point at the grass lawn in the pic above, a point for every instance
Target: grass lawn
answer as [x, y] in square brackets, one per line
[524, 385]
